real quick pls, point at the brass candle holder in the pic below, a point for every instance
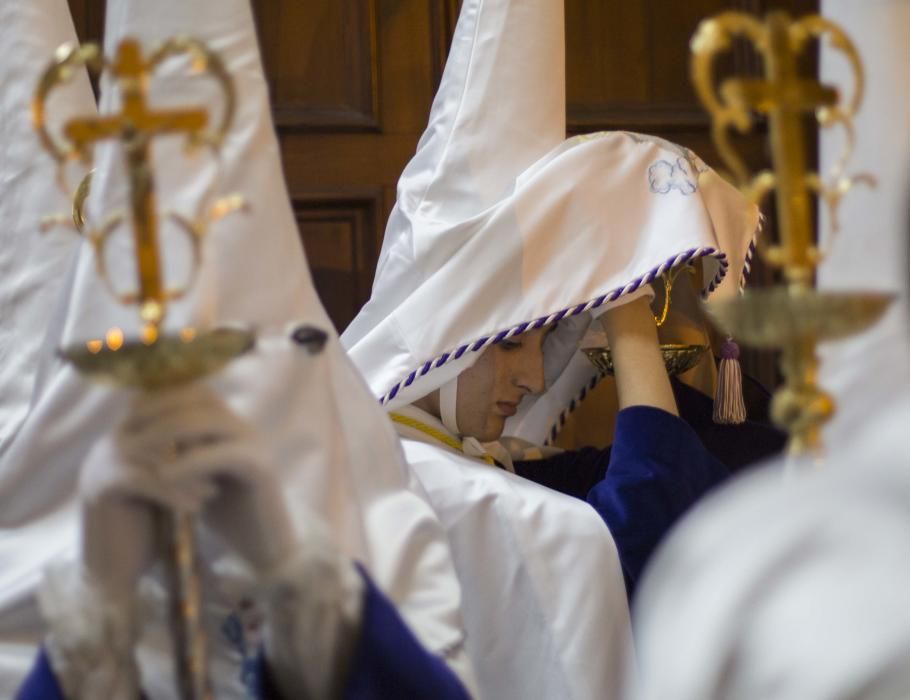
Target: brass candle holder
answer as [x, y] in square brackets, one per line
[152, 358]
[793, 317]
[678, 358]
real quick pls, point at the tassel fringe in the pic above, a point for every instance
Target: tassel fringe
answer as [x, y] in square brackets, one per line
[729, 406]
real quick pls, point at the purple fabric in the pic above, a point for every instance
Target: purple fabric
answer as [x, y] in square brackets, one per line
[389, 663]
[41, 683]
[658, 469]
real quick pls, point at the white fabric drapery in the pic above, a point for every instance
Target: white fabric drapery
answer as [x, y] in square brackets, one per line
[328, 437]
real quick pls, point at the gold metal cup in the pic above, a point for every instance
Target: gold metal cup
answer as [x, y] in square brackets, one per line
[678, 358]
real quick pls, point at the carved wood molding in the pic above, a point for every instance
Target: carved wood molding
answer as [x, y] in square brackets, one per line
[443, 18]
[325, 119]
[657, 117]
[342, 269]
[358, 67]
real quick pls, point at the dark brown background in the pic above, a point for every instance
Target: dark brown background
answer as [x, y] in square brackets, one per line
[352, 82]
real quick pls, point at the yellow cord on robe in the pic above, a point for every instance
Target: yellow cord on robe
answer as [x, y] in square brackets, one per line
[442, 437]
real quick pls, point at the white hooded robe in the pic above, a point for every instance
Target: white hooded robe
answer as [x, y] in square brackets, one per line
[501, 225]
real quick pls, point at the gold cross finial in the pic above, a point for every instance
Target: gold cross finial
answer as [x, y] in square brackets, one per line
[784, 97]
[795, 316]
[136, 125]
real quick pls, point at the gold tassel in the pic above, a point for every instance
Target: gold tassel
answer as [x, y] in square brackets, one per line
[729, 406]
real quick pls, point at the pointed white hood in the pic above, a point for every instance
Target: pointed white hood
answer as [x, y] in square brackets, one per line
[501, 225]
[328, 437]
[32, 265]
[466, 260]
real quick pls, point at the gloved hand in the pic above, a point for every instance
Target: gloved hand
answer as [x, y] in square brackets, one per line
[185, 450]
[181, 450]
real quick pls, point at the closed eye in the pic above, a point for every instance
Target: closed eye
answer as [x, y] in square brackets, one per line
[510, 344]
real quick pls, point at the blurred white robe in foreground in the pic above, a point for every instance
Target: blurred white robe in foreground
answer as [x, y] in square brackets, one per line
[34, 268]
[792, 587]
[330, 441]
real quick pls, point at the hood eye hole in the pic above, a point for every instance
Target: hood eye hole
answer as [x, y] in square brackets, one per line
[310, 337]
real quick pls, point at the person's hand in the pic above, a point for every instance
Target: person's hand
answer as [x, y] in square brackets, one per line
[641, 376]
[185, 450]
[204, 459]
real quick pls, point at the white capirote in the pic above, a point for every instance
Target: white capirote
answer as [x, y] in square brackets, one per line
[336, 453]
[501, 225]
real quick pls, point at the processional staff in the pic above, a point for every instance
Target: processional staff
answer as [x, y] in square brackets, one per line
[153, 359]
[792, 317]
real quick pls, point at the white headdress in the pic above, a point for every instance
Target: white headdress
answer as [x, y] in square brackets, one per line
[501, 225]
[336, 452]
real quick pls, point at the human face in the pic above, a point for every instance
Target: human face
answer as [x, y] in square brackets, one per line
[491, 389]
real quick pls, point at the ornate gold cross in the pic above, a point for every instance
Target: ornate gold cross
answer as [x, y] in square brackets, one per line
[785, 98]
[793, 317]
[135, 126]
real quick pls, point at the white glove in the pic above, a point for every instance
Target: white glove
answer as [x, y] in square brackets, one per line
[187, 451]
[90, 636]
[313, 602]
[206, 459]
[91, 606]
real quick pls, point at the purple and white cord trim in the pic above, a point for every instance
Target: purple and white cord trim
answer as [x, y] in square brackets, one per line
[682, 258]
[573, 404]
[750, 254]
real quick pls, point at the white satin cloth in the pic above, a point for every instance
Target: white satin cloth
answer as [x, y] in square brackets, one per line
[791, 588]
[33, 273]
[33, 265]
[335, 449]
[538, 549]
[500, 221]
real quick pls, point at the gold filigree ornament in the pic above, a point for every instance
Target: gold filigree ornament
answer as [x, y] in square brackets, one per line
[153, 359]
[794, 317]
[136, 126]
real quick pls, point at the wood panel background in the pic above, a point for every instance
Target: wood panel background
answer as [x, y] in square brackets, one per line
[352, 82]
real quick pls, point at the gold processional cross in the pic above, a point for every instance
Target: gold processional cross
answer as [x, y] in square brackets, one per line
[151, 362]
[136, 126]
[793, 317]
